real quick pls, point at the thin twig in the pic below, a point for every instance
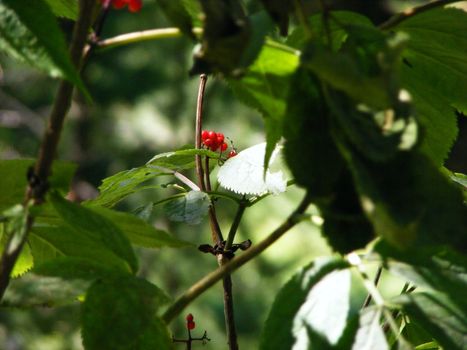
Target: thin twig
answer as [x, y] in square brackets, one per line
[38, 188]
[395, 20]
[206, 282]
[376, 281]
[144, 35]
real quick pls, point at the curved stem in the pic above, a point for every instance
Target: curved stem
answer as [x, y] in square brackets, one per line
[206, 282]
[395, 20]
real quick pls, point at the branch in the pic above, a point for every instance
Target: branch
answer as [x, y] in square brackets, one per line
[38, 185]
[395, 20]
[205, 283]
[145, 35]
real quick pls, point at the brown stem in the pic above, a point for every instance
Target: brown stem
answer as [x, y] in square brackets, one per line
[206, 282]
[376, 281]
[37, 189]
[400, 17]
[229, 313]
[205, 185]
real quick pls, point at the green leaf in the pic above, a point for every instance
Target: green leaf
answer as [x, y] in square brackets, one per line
[180, 160]
[265, 87]
[76, 268]
[64, 8]
[309, 149]
[190, 207]
[14, 225]
[29, 32]
[299, 305]
[139, 232]
[14, 179]
[370, 334]
[341, 72]
[119, 186]
[226, 34]
[434, 71]
[74, 243]
[120, 314]
[338, 26]
[439, 269]
[346, 228]
[434, 312]
[177, 13]
[39, 291]
[409, 201]
[96, 227]
[377, 134]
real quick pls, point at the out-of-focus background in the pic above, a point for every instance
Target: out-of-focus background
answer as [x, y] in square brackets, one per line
[144, 104]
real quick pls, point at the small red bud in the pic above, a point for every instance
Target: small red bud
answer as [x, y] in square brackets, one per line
[189, 317]
[231, 154]
[223, 147]
[190, 325]
[204, 135]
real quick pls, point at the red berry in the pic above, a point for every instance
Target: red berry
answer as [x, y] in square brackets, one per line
[215, 145]
[212, 135]
[223, 147]
[135, 5]
[204, 135]
[220, 137]
[190, 325]
[189, 318]
[231, 154]
[119, 4]
[208, 143]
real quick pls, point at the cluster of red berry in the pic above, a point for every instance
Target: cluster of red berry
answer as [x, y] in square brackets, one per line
[190, 324]
[215, 141]
[133, 5]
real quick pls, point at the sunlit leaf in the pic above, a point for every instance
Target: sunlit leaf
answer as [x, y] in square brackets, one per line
[29, 32]
[265, 87]
[433, 69]
[370, 334]
[296, 307]
[446, 322]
